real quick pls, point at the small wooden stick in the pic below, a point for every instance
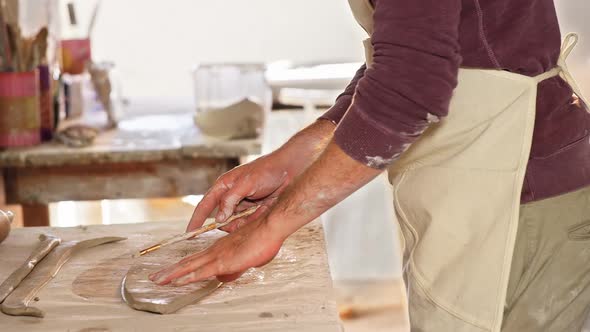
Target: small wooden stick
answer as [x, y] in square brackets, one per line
[15, 45]
[204, 229]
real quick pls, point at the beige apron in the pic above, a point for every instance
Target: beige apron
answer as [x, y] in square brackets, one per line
[457, 195]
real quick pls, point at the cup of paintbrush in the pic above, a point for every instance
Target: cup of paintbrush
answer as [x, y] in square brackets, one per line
[20, 119]
[20, 102]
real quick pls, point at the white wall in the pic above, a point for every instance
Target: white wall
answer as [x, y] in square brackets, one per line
[155, 43]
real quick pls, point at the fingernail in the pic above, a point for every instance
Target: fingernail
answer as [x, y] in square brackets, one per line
[160, 280]
[183, 280]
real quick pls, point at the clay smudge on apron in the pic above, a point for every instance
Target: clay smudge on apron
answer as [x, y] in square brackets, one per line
[431, 118]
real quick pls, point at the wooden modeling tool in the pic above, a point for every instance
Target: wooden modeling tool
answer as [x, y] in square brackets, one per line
[204, 229]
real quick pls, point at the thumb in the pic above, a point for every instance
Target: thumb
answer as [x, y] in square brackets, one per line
[230, 200]
[205, 207]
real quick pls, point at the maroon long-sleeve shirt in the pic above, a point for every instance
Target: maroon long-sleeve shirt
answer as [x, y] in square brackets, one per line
[419, 46]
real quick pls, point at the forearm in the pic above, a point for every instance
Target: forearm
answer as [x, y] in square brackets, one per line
[330, 179]
[410, 83]
[305, 147]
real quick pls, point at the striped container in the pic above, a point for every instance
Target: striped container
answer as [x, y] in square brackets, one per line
[20, 116]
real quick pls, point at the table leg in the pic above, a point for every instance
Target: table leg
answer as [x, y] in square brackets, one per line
[36, 215]
[2, 189]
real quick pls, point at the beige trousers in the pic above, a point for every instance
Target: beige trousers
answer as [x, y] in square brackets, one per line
[549, 288]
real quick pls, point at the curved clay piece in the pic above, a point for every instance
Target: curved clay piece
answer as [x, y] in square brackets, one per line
[17, 302]
[140, 298]
[47, 244]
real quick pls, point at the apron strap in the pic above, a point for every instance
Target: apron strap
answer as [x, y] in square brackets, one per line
[363, 13]
[570, 41]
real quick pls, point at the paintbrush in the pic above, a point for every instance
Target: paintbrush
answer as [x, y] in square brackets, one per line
[204, 229]
[5, 41]
[93, 19]
[15, 45]
[40, 44]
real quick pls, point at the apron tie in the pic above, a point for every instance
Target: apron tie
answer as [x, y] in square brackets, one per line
[570, 41]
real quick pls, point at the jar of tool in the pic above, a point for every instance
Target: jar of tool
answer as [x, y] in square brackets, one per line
[20, 116]
[75, 53]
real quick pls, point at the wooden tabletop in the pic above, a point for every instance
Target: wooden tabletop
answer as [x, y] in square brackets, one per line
[292, 293]
[141, 138]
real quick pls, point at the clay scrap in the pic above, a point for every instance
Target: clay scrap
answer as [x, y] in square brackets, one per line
[142, 294]
[46, 245]
[139, 294]
[17, 303]
[241, 120]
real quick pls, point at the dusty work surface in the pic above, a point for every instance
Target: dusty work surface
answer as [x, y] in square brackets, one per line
[146, 138]
[293, 293]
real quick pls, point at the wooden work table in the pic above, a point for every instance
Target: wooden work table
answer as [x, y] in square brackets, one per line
[150, 156]
[292, 293]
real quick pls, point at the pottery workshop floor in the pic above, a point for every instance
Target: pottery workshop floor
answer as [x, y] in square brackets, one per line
[69, 214]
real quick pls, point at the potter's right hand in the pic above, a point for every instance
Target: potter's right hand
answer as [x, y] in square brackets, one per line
[259, 182]
[263, 180]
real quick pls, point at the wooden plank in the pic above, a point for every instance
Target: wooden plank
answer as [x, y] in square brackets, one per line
[43, 185]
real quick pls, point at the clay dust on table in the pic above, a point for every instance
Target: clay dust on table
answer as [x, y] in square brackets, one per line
[104, 280]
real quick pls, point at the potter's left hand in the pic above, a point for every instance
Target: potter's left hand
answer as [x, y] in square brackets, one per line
[253, 245]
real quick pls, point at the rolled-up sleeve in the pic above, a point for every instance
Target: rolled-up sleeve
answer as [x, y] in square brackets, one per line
[410, 83]
[337, 111]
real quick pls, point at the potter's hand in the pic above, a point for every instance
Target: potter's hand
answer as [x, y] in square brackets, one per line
[331, 178]
[257, 183]
[253, 245]
[263, 180]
